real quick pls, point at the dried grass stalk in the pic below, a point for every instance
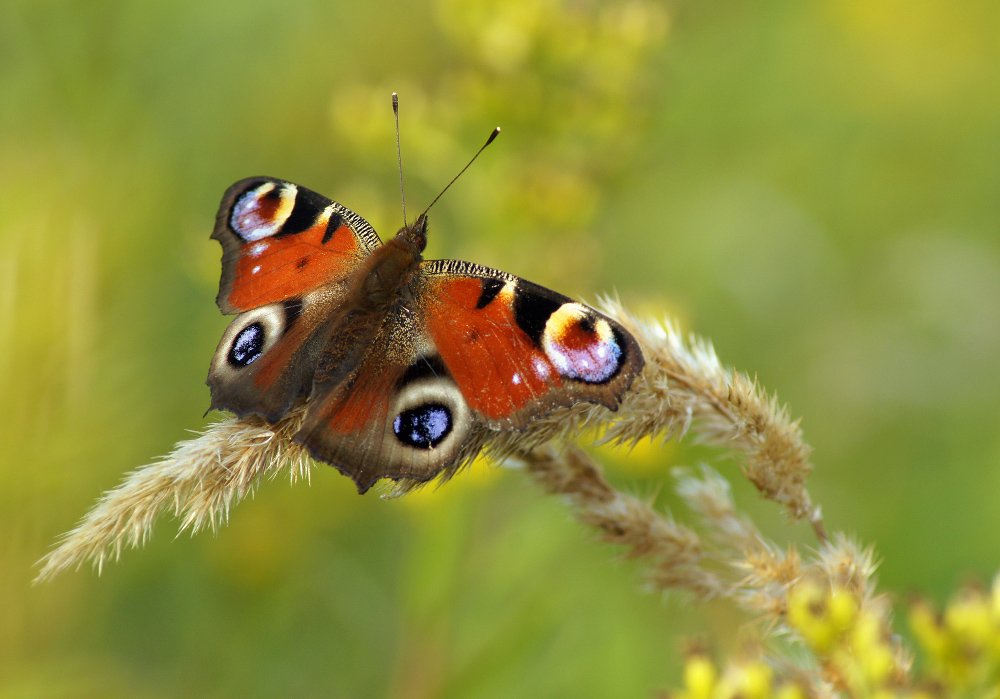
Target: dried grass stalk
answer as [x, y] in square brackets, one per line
[685, 386]
[761, 572]
[726, 555]
[674, 551]
[732, 560]
[199, 481]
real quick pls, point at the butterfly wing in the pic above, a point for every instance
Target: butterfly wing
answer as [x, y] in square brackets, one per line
[287, 256]
[280, 240]
[517, 350]
[399, 416]
[470, 352]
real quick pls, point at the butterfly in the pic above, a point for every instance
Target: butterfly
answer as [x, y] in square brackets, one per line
[405, 367]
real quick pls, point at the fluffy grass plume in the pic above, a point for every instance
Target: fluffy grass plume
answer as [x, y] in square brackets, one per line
[198, 481]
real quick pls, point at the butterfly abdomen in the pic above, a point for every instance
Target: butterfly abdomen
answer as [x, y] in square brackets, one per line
[388, 273]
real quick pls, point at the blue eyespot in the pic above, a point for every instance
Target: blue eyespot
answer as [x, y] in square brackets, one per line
[423, 427]
[249, 345]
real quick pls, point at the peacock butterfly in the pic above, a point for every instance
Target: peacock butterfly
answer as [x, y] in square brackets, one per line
[406, 367]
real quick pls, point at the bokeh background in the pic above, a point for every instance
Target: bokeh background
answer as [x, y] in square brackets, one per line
[813, 186]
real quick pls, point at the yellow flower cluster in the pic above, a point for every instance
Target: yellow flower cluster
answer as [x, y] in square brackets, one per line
[748, 679]
[962, 644]
[851, 640]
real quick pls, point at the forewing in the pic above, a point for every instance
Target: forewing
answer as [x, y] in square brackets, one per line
[281, 241]
[517, 350]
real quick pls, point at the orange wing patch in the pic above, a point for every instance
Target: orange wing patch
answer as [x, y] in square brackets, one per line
[365, 402]
[495, 364]
[277, 268]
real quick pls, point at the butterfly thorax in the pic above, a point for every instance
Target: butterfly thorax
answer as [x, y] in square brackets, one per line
[414, 235]
[390, 269]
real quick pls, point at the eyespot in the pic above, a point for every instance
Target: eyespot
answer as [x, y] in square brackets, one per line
[252, 334]
[424, 426]
[582, 346]
[248, 345]
[261, 212]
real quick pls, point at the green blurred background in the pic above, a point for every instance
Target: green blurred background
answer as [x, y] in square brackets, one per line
[813, 186]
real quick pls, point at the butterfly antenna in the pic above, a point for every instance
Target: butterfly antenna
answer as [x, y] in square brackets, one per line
[399, 153]
[492, 137]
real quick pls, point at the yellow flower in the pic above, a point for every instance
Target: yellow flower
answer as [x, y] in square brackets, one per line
[700, 677]
[962, 644]
[753, 680]
[790, 691]
[808, 613]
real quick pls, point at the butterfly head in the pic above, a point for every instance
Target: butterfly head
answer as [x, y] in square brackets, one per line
[415, 234]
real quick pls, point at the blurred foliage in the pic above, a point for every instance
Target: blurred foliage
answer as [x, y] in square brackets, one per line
[812, 185]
